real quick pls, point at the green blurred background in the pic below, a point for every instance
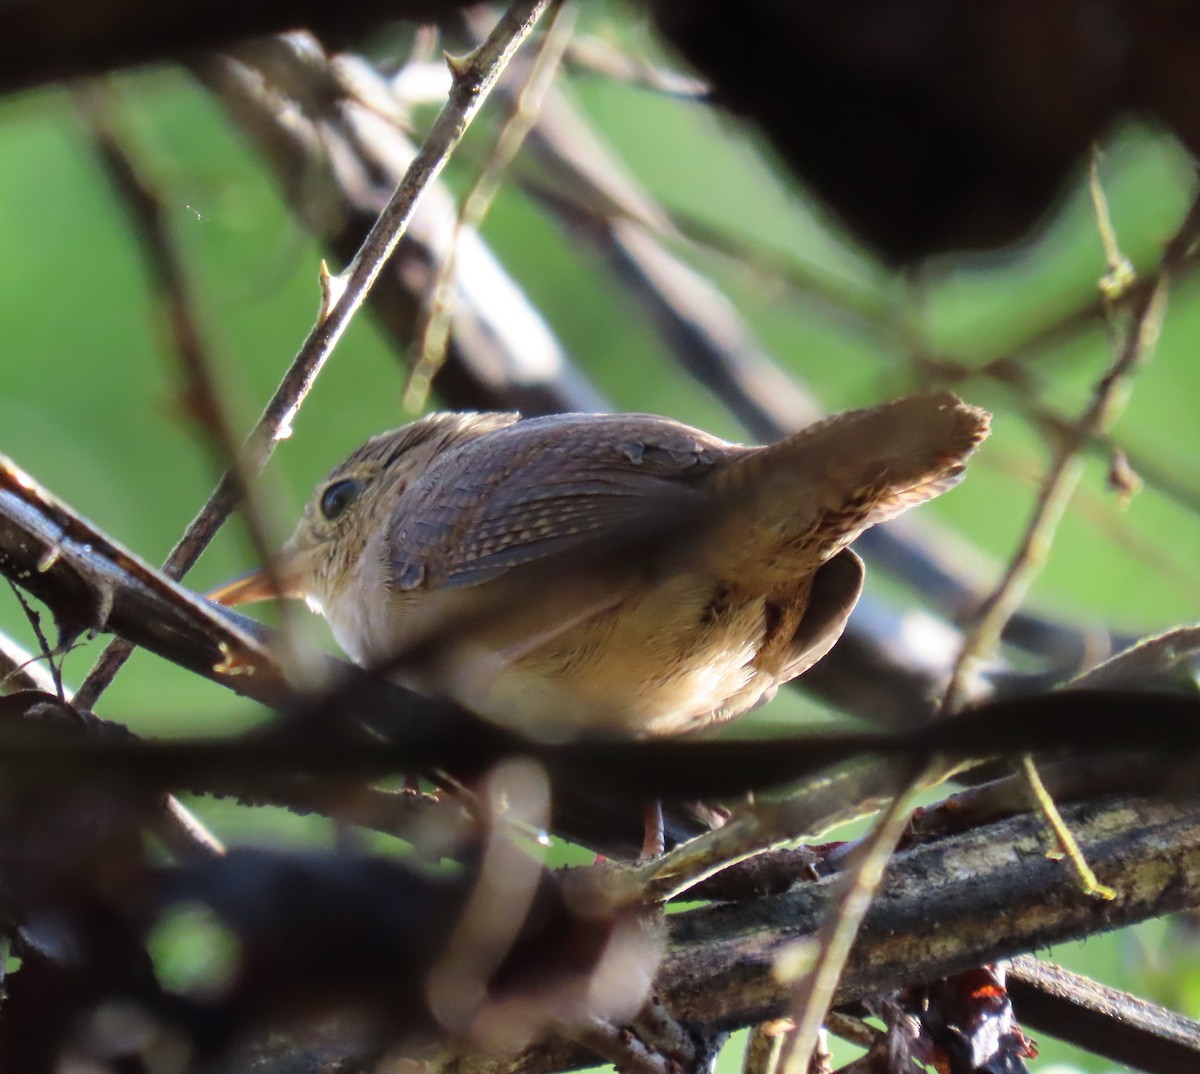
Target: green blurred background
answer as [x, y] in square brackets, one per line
[87, 386]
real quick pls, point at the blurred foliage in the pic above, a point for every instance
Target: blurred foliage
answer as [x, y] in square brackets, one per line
[87, 390]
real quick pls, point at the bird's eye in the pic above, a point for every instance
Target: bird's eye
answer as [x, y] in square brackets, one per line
[339, 495]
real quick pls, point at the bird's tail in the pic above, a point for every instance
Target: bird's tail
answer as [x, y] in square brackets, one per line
[807, 497]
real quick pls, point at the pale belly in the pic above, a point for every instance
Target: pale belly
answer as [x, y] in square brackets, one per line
[591, 658]
[663, 664]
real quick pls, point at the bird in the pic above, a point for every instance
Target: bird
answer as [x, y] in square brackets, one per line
[607, 575]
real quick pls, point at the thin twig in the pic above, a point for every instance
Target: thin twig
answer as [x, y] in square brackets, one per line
[48, 651]
[20, 670]
[852, 1029]
[399, 813]
[593, 55]
[847, 794]
[623, 1049]
[1066, 841]
[526, 103]
[814, 994]
[1064, 470]
[474, 78]
[764, 1044]
[1120, 275]
[167, 278]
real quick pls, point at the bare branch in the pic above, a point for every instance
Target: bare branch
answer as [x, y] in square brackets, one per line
[1103, 1020]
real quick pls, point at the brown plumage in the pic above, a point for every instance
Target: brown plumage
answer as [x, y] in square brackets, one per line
[609, 573]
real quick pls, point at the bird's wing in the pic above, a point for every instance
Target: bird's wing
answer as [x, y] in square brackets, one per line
[582, 483]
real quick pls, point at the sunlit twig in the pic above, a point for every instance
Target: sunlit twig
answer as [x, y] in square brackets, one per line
[814, 992]
[434, 333]
[1064, 470]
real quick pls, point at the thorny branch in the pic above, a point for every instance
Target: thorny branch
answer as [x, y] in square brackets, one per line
[47, 650]
[473, 82]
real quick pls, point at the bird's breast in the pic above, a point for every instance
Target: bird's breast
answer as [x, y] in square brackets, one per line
[562, 655]
[607, 658]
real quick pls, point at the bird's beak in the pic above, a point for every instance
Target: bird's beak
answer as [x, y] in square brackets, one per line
[246, 588]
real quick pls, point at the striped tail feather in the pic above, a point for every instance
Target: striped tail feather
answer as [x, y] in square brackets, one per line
[816, 491]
